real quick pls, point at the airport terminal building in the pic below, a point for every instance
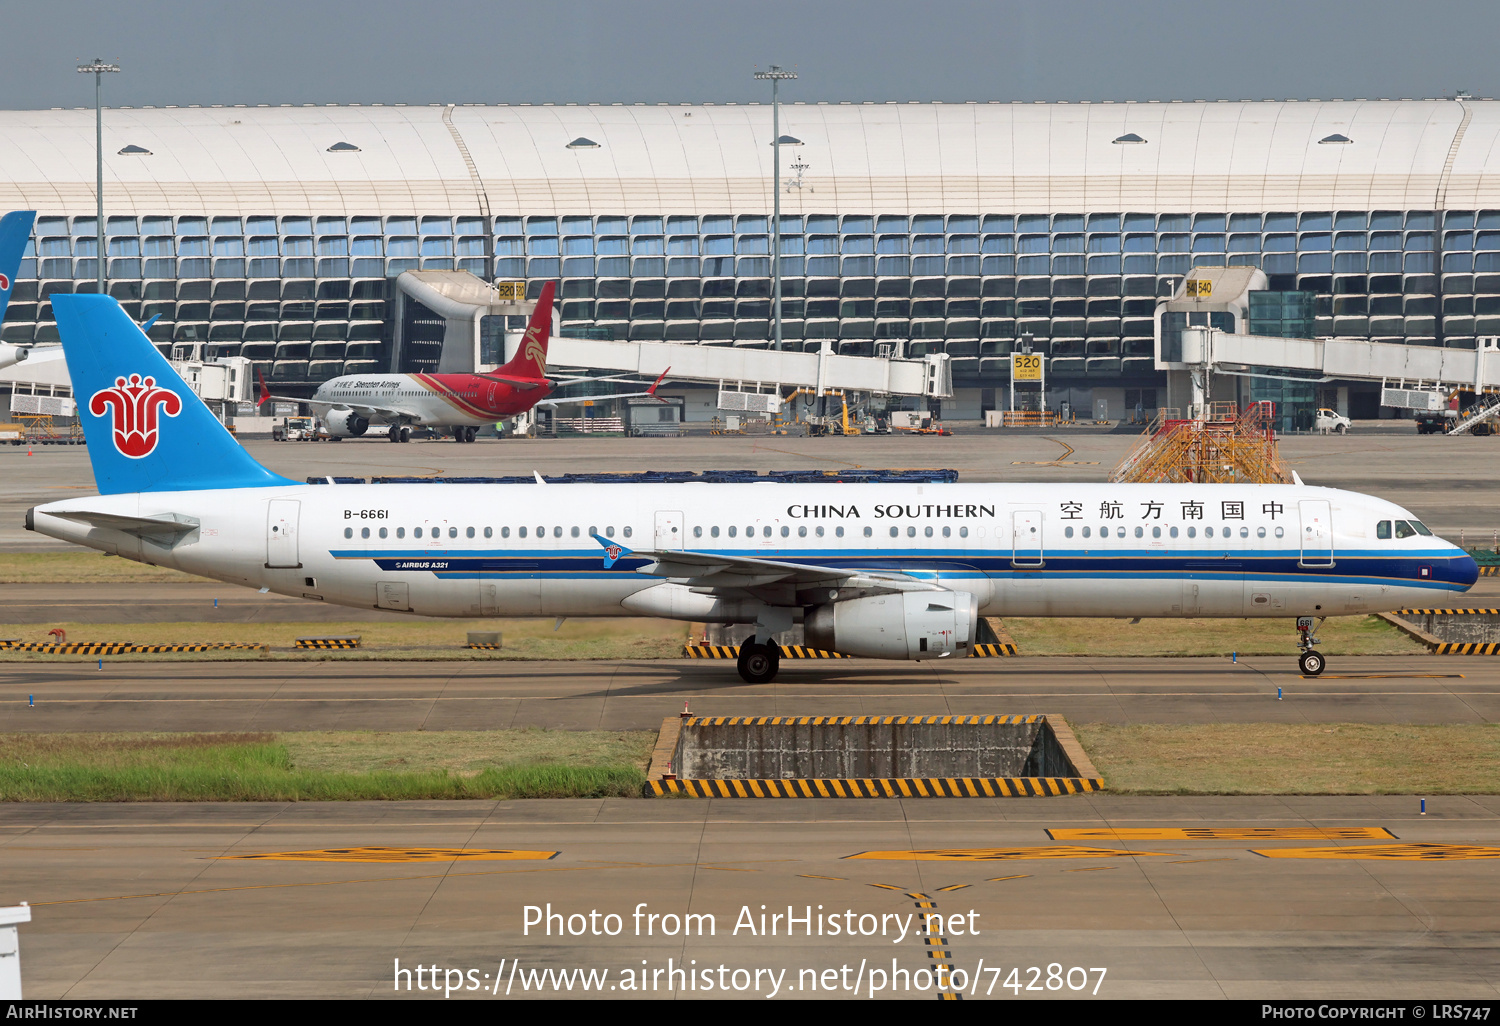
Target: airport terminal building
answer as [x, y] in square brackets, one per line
[276, 233]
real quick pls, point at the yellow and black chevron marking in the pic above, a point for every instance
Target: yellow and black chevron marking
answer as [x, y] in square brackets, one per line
[328, 642]
[992, 651]
[1389, 852]
[853, 721]
[384, 854]
[1221, 834]
[803, 652]
[490, 647]
[1055, 851]
[903, 787]
[1489, 571]
[1447, 612]
[113, 648]
[733, 652]
[1467, 648]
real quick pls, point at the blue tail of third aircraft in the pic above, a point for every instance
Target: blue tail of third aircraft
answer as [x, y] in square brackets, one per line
[15, 229]
[147, 431]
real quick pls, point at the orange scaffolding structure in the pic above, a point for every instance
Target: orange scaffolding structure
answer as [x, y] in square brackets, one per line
[1226, 447]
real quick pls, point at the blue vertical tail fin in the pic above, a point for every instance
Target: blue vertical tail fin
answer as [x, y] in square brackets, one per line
[147, 431]
[15, 230]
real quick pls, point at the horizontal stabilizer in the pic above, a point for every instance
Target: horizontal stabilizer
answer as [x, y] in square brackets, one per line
[163, 525]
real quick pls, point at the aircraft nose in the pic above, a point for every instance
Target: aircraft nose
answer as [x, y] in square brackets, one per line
[1465, 570]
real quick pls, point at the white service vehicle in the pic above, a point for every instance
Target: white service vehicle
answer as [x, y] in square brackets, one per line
[1326, 420]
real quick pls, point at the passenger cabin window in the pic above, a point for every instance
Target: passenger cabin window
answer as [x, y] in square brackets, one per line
[733, 530]
[697, 532]
[713, 532]
[1280, 531]
[416, 532]
[963, 532]
[489, 532]
[627, 532]
[505, 532]
[400, 532]
[838, 532]
[348, 532]
[869, 531]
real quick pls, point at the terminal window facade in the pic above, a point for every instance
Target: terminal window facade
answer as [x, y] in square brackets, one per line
[309, 297]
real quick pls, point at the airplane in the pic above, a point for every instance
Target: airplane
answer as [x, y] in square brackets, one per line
[15, 230]
[888, 571]
[348, 405]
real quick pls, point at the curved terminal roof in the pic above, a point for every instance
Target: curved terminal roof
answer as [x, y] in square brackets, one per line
[663, 159]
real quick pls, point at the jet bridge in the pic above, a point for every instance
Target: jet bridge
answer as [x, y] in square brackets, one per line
[1200, 333]
[455, 321]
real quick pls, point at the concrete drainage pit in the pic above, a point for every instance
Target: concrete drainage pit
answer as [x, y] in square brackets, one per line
[870, 757]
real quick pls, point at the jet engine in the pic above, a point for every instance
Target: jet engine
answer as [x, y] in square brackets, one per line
[346, 423]
[906, 625]
[10, 354]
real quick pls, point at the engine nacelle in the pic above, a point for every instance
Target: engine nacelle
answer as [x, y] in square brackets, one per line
[907, 625]
[346, 423]
[12, 354]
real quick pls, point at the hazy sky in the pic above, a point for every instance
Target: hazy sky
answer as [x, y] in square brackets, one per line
[467, 51]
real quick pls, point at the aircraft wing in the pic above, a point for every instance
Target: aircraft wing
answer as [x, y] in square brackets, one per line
[717, 572]
[615, 395]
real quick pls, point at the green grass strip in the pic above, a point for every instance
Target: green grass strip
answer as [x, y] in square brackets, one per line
[54, 768]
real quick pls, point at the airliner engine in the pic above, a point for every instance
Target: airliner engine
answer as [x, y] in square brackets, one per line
[908, 625]
[345, 423]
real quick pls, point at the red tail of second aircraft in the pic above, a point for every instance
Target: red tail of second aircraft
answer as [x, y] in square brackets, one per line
[529, 365]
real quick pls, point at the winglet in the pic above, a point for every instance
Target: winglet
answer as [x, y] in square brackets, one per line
[613, 552]
[538, 475]
[662, 377]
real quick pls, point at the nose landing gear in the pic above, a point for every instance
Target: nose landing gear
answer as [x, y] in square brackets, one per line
[1310, 661]
[757, 663]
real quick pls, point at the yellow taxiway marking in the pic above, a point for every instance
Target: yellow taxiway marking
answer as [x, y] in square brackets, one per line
[1386, 852]
[888, 887]
[1220, 834]
[998, 879]
[815, 876]
[384, 854]
[1056, 851]
[369, 880]
[1384, 676]
[1188, 862]
[955, 887]
[1089, 869]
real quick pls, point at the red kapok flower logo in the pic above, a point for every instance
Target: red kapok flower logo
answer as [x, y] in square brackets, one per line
[134, 405]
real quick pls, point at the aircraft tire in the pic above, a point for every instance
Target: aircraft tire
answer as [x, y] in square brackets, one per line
[758, 664]
[393, 433]
[405, 433]
[1312, 663]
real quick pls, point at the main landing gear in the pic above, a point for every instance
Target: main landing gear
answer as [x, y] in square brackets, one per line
[1310, 661]
[758, 663]
[463, 433]
[398, 433]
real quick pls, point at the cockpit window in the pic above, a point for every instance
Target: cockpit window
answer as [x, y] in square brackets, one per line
[1383, 529]
[1404, 530]
[1421, 528]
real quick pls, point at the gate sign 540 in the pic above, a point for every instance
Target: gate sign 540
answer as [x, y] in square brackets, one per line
[1025, 367]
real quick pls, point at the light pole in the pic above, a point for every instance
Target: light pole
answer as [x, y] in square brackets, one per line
[776, 75]
[97, 69]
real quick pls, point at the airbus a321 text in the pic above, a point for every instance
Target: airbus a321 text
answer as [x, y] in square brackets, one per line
[889, 571]
[464, 403]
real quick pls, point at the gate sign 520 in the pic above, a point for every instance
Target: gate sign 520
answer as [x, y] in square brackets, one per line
[1025, 367]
